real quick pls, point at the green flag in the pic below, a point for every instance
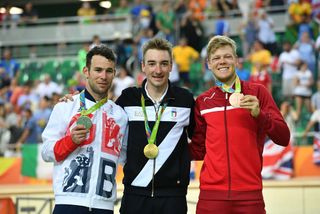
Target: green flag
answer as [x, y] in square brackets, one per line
[32, 163]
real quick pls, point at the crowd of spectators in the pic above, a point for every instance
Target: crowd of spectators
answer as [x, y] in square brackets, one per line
[25, 107]
[28, 17]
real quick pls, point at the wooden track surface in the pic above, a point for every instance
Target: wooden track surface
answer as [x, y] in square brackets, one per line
[295, 196]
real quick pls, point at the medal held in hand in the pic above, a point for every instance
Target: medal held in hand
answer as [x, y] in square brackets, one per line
[151, 151]
[235, 98]
[85, 121]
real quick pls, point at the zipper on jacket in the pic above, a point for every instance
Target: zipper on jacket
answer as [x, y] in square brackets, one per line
[227, 145]
[91, 201]
[156, 109]
[153, 173]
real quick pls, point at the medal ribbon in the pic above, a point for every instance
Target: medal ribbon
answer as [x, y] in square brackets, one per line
[151, 135]
[95, 107]
[228, 89]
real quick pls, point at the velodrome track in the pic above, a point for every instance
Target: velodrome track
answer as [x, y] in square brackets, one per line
[296, 196]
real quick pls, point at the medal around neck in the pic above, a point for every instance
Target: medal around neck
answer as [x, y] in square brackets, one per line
[235, 98]
[85, 121]
[151, 151]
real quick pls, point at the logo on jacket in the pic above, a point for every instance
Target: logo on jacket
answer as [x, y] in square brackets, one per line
[111, 140]
[110, 109]
[138, 113]
[77, 174]
[174, 113]
[204, 99]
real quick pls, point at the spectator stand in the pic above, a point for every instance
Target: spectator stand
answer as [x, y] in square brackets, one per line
[61, 70]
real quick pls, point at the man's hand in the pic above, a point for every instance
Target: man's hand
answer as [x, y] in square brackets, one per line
[252, 104]
[79, 134]
[67, 97]
[19, 146]
[304, 135]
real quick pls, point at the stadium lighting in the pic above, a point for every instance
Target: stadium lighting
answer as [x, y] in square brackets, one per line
[89, 0]
[13, 10]
[105, 4]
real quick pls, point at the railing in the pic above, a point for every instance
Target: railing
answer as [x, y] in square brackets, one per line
[66, 30]
[108, 27]
[38, 205]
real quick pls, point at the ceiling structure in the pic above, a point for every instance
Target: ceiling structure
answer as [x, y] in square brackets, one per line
[35, 2]
[53, 8]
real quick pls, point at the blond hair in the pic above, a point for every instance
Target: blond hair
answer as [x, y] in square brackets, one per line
[217, 42]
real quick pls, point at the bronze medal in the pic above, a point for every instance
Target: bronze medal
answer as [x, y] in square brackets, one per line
[151, 151]
[235, 98]
[84, 120]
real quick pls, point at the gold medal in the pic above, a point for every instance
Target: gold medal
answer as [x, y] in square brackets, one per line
[84, 120]
[235, 98]
[151, 151]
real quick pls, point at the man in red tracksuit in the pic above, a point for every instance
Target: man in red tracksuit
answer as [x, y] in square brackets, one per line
[232, 122]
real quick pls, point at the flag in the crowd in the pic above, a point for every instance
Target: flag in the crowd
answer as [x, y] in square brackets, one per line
[32, 163]
[277, 161]
[316, 149]
[315, 8]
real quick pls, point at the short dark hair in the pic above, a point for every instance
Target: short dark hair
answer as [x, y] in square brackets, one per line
[157, 44]
[101, 50]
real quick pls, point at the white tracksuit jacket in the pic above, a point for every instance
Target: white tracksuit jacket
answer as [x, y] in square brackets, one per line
[84, 174]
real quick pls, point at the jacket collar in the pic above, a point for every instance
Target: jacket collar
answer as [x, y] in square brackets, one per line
[233, 86]
[88, 96]
[167, 97]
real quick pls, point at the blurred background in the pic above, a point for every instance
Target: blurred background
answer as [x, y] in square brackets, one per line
[43, 44]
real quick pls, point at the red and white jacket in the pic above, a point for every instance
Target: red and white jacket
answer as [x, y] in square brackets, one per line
[230, 141]
[84, 174]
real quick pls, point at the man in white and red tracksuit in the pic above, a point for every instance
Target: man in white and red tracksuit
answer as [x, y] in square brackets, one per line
[86, 151]
[233, 119]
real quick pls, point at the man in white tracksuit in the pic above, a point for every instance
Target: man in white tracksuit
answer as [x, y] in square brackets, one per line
[86, 139]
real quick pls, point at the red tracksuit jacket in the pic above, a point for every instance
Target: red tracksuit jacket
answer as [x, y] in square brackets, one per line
[230, 141]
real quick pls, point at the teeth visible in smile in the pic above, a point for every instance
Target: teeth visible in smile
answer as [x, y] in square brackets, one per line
[223, 69]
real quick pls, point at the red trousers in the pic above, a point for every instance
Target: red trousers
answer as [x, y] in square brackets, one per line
[230, 207]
